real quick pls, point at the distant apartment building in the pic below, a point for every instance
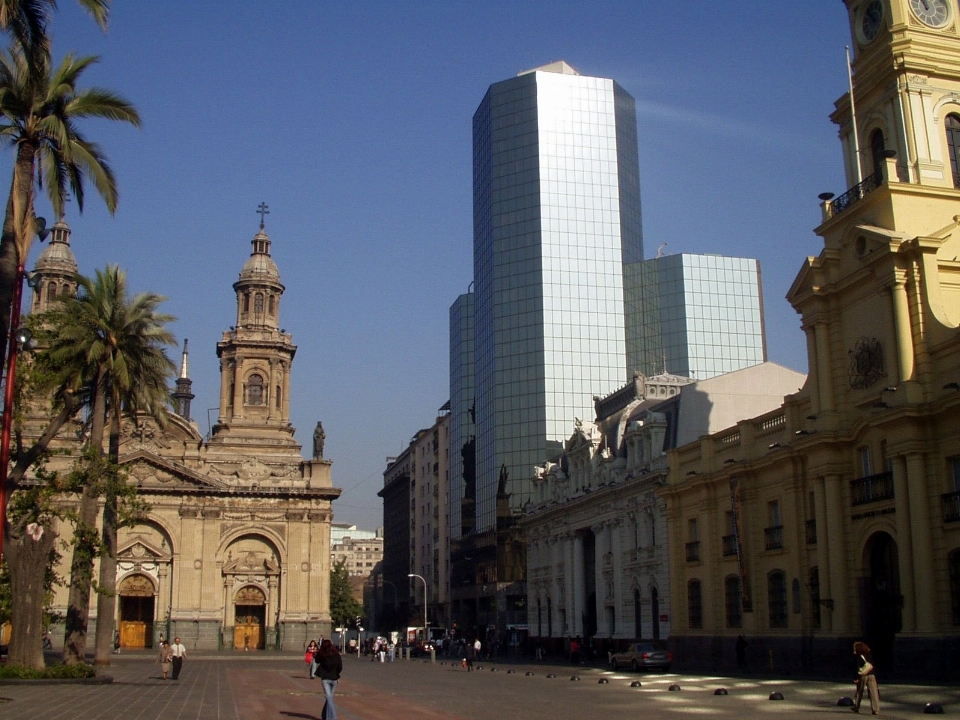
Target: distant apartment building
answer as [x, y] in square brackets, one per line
[361, 550]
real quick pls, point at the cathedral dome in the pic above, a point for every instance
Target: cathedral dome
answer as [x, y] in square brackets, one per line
[57, 257]
[260, 266]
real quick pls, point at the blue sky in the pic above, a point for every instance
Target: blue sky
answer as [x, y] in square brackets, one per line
[352, 121]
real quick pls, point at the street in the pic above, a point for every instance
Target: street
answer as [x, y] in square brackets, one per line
[260, 686]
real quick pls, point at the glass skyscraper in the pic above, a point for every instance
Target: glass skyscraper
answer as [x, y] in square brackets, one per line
[556, 218]
[462, 500]
[700, 315]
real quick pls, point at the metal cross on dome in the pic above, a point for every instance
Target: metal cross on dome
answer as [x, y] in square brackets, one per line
[262, 210]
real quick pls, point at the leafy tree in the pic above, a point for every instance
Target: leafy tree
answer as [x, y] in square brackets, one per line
[344, 608]
[109, 348]
[39, 110]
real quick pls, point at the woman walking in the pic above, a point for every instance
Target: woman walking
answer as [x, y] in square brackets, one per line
[311, 657]
[329, 667]
[165, 658]
[866, 679]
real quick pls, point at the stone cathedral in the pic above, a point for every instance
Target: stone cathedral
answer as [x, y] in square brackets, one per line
[235, 548]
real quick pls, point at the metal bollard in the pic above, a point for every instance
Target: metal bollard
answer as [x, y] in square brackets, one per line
[433, 654]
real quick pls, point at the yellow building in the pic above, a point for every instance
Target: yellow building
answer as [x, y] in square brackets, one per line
[235, 548]
[837, 517]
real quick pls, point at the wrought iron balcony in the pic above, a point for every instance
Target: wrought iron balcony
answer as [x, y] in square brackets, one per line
[693, 551]
[729, 545]
[811, 532]
[773, 537]
[872, 488]
[951, 506]
[856, 193]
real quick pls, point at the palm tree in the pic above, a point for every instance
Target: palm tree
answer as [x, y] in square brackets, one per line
[112, 348]
[39, 110]
[27, 21]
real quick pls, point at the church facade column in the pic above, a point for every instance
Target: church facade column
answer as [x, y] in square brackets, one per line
[836, 544]
[225, 375]
[824, 374]
[902, 328]
[901, 496]
[238, 387]
[923, 569]
[599, 584]
[823, 551]
[273, 596]
[271, 399]
[286, 390]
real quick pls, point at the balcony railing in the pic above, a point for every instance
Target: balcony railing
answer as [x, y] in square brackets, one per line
[856, 193]
[773, 537]
[729, 545]
[811, 532]
[872, 488]
[951, 506]
[693, 551]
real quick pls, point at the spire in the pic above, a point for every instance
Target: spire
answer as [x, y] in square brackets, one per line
[182, 395]
[183, 362]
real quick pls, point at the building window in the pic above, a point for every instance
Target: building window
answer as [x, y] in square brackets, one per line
[953, 146]
[255, 390]
[258, 303]
[279, 394]
[694, 604]
[246, 303]
[51, 292]
[876, 150]
[777, 598]
[273, 304]
[637, 617]
[866, 462]
[795, 591]
[732, 594]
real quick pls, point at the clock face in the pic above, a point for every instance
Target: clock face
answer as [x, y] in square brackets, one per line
[934, 13]
[872, 19]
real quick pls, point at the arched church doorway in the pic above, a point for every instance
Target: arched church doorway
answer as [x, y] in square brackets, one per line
[251, 619]
[137, 609]
[880, 600]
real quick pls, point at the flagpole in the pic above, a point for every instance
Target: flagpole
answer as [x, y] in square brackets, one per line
[853, 120]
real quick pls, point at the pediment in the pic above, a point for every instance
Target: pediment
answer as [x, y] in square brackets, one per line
[251, 563]
[152, 471]
[141, 549]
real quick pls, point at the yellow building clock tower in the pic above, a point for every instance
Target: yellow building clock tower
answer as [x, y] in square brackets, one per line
[841, 510]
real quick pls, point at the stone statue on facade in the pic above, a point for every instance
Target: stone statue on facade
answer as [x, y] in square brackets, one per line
[318, 437]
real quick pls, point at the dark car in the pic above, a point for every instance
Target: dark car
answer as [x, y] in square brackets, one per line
[642, 656]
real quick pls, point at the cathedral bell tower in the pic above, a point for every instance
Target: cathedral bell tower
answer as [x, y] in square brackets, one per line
[255, 362]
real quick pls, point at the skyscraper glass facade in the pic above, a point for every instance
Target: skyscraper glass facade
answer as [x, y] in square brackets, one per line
[556, 216]
[462, 430]
[701, 315]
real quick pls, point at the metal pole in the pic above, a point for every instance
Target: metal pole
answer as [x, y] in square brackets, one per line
[424, 602]
[8, 400]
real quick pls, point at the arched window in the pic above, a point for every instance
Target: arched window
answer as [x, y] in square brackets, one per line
[51, 292]
[952, 125]
[694, 604]
[255, 390]
[273, 304]
[954, 562]
[777, 598]
[876, 152]
[637, 617]
[279, 396]
[732, 595]
[258, 303]
[654, 612]
[246, 302]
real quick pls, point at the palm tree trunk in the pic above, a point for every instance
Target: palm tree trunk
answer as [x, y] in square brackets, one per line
[106, 597]
[27, 561]
[85, 546]
[19, 203]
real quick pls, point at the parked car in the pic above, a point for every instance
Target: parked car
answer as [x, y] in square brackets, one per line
[422, 647]
[642, 656]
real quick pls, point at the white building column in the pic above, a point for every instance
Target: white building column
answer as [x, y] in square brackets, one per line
[579, 587]
[616, 545]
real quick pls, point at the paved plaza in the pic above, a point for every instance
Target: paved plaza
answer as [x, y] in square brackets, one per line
[261, 686]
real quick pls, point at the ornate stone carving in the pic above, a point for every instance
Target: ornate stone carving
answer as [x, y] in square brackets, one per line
[136, 586]
[866, 363]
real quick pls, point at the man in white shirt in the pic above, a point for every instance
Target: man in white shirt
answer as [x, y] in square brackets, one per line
[179, 652]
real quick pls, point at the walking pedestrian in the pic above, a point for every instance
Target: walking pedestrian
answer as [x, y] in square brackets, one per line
[329, 667]
[178, 652]
[310, 657]
[470, 652]
[164, 658]
[866, 678]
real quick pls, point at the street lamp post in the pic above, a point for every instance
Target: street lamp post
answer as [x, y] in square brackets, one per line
[414, 575]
